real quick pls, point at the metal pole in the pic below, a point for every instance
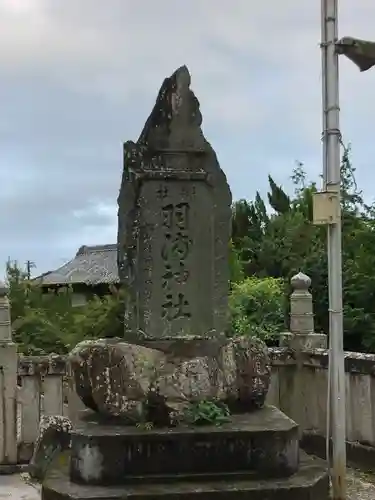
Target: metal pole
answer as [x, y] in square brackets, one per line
[331, 176]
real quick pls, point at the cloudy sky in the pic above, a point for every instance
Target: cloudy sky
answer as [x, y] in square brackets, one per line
[79, 77]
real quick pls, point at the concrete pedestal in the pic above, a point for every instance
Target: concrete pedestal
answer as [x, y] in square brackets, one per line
[254, 456]
[264, 443]
[309, 483]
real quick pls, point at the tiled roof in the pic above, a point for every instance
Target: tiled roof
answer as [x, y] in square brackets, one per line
[92, 265]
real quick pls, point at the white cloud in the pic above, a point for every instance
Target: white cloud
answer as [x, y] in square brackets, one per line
[79, 77]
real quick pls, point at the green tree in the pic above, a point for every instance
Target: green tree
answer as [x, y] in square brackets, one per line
[40, 321]
[235, 265]
[47, 322]
[277, 198]
[287, 242]
[257, 308]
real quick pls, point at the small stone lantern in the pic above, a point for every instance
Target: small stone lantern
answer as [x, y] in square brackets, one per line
[301, 334]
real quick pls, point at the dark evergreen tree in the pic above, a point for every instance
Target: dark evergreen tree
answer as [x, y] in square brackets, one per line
[277, 198]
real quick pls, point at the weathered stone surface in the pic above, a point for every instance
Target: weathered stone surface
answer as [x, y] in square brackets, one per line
[253, 372]
[302, 335]
[311, 482]
[174, 222]
[303, 341]
[142, 383]
[264, 442]
[54, 436]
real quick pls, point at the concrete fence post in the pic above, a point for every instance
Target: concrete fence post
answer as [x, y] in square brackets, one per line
[8, 384]
[302, 335]
[295, 388]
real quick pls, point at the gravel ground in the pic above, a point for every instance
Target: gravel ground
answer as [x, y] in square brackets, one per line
[14, 487]
[361, 486]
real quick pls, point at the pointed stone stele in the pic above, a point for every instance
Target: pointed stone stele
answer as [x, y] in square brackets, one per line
[174, 228]
[174, 223]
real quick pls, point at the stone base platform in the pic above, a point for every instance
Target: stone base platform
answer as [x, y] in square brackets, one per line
[309, 483]
[263, 443]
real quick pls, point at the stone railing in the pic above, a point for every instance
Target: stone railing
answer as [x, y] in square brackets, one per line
[300, 381]
[31, 385]
[42, 389]
[299, 389]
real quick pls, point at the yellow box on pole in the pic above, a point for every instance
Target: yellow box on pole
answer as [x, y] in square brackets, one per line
[326, 208]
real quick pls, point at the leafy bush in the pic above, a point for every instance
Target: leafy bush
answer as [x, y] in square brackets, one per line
[257, 307]
[207, 413]
[47, 322]
[100, 317]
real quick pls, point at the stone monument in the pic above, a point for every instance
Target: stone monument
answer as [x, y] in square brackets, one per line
[139, 437]
[174, 222]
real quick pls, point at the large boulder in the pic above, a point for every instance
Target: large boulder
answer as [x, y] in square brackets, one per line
[53, 438]
[157, 382]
